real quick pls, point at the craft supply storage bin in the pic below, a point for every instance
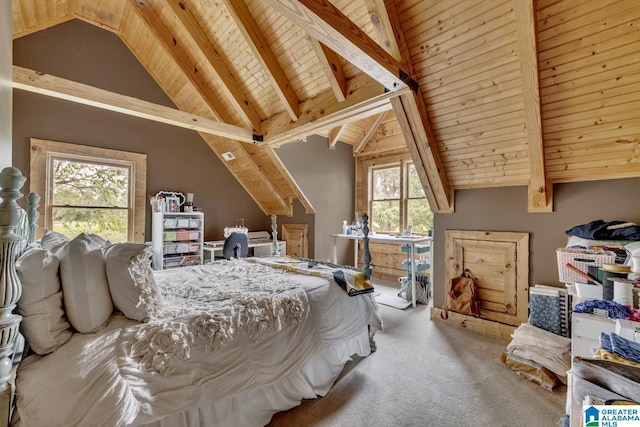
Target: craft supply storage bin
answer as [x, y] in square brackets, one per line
[581, 259]
[178, 239]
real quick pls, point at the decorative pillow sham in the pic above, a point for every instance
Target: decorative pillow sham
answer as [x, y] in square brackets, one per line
[87, 300]
[131, 282]
[44, 323]
[53, 241]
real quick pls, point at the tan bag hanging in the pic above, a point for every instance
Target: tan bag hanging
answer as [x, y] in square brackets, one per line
[462, 296]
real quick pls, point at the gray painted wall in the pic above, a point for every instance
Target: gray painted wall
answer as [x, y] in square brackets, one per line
[327, 178]
[505, 209]
[6, 77]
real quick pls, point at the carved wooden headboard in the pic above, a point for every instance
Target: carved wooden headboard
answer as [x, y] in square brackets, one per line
[17, 230]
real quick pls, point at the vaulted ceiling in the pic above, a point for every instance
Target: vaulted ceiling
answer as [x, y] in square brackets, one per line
[479, 93]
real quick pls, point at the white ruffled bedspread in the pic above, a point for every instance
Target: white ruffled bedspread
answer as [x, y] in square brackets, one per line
[204, 349]
[205, 307]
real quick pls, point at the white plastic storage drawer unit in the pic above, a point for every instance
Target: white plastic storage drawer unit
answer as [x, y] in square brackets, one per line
[585, 332]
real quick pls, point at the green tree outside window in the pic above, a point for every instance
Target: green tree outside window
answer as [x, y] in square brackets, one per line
[91, 198]
[398, 200]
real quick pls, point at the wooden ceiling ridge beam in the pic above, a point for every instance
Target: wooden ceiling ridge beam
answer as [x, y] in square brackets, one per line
[45, 84]
[540, 194]
[229, 84]
[260, 47]
[146, 11]
[365, 98]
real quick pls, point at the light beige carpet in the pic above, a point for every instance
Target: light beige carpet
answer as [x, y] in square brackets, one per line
[429, 373]
[392, 301]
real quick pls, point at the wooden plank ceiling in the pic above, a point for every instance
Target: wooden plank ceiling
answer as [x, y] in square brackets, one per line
[478, 93]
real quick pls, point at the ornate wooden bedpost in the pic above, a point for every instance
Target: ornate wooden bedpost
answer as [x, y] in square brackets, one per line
[11, 180]
[33, 201]
[275, 247]
[366, 256]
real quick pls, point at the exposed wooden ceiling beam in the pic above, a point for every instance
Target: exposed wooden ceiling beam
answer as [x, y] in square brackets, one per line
[260, 47]
[330, 26]
[428, 165]
[229, 84]
[381, 22]
[266, 158]
[365, 98]
[175, 48]
[44, 84]
[335, 134]
[540, 189]
[369, 131]
[253, 179]
[332, 68]
[413, 117]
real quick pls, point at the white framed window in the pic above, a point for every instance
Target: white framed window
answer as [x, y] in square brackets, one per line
[89, 189]
[397, 199]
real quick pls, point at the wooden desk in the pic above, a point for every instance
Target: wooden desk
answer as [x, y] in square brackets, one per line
[411, 241]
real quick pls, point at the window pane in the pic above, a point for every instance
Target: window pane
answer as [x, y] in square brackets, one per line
[108, 223]
[419, 215]
[385, 216]
[386, 183]
[88, 184]
[415, 186]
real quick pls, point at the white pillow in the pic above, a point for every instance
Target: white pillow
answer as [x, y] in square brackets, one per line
[87, 300]
[131, 282]
[44, 323]
[53, 241]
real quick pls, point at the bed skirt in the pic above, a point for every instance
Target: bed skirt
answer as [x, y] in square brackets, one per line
[256, 407]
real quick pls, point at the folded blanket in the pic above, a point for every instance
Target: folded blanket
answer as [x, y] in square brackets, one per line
[620, 346]
[530, 370]
[352, 281]
[601, 230]
[601, 353]
[615, 310]
[545, 348]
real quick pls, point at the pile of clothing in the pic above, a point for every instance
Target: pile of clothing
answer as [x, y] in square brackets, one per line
[612, 376]
[538, 355]
[603, 230]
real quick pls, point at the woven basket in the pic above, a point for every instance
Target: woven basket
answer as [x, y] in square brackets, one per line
[581, 259]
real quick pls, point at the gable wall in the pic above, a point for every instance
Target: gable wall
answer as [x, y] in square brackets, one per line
[177, 159]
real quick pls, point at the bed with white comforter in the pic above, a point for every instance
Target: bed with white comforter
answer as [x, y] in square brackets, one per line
[234, 342]
[114, 343]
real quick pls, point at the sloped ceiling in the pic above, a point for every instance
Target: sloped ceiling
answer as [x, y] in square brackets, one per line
[479, 93]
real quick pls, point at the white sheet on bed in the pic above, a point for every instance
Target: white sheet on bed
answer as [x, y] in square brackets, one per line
[93, 379]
